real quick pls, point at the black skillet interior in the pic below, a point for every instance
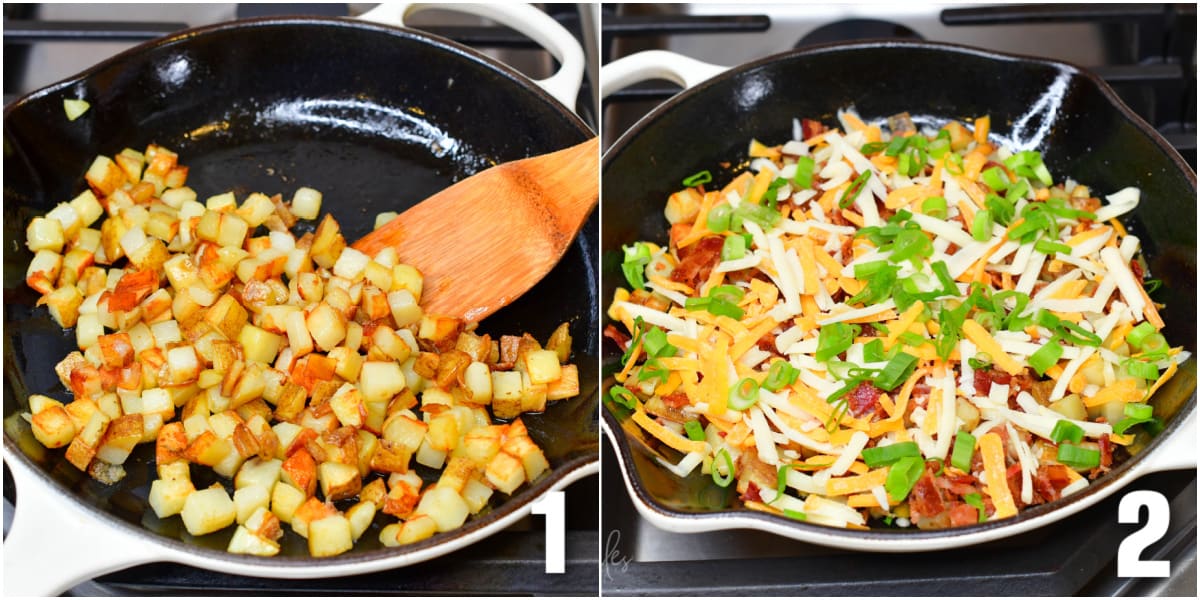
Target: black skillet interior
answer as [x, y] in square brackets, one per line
[376, 118]
[1069, 115]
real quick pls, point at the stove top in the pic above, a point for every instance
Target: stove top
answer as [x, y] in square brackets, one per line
[1147, 53]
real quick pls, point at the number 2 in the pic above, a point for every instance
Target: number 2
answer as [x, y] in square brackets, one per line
[553, 507]
[1158, 517]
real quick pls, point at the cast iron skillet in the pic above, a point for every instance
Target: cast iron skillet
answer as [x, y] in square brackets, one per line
[1075, 119]
[375, 117]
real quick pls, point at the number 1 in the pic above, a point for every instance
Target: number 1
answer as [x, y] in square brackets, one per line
[552, 506]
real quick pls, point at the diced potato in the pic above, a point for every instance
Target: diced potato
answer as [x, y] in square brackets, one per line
[379, 381]
[209, 510]
[330, 536]
[264, 524]
[327, 243]
[478, 383]
[259, 344]
[459, 470]
[443, 432]
[122, 434]
[285, 499]
[43, 271]
[532, 458]
[360, 516]
[300, 470]
[405, 309]
[542, 366]
[312, 510]
[87, 207]
[445, 507]
[306, 203]
[104, 175]
[566, 386]
[351, 264]
[247, 500]
[326, 326]
[52, 427]
[407, 277]
[244, 542]
[44, 234]
[263, 472]
[405, 431]
[339, 481]
[416, 529]
[506, 394]
[533, 396]
[505, 472]
[429, 456]
[482, 443]
[388, 536]
[476, 495]
[169, 496]
[255, 209]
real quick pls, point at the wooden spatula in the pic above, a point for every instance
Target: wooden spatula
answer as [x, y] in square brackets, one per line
[487, 239]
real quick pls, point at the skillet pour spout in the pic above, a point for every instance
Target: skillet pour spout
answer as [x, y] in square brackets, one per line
[1072, 117]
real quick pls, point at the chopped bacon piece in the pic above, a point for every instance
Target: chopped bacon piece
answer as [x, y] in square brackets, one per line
[962, 514]
[618, 336]
[863, 399]
[810, 127]
[751, 494]
[985, 377]
[676, 400]
[1136, 267]
[696, 262]
[925, 500]
[1050, 480]
[132, 289]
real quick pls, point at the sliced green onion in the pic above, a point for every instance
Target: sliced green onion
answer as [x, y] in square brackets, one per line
[1066, 430]
[1138, 335]
[1141, 369]
[869, 269]
[716, 476]
[1154, 343]
[652, 369]
[772, 193]
[954, 164]
[896, 371]
[873, 147]
[763, 216]
[700, 178]
[904, 165]
[935, 207]
[913, 339]
[1002, 210]
[723, 308]
[794, 514]
[981, 226]
[882, 456]
[1050, 248]
[727, 292]
[733, 248]
[780, 375]
[744, 394]
[996, 179]
[694, 431]
[981, 360]
[976, 500]
[638, 328]
[911, 244]
[1136, 414]
[1078, 456]
[964, 451]
[834, 339]
[851, 193]
[804, 172]
[896, 145]
[1018, 190]
[1139, 411]
[1078, 335]
[903, 475]
[655, 343]
[1152, 285]
[718, 218]
[938, 148]
[1047, 356]
[621, 395]
[873, 351]
[637, 257]
[781, 480]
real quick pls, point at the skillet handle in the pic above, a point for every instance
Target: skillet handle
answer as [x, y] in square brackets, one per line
[655, 64]
[540, 27]
[53, 544]
[1176, 453]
